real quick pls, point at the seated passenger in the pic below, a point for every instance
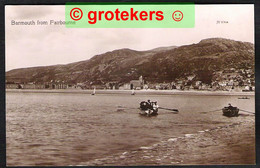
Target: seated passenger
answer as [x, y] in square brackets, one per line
[150, 106]
[155, 105]
[230, 106]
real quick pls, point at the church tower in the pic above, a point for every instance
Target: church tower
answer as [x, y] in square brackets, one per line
[141, 80]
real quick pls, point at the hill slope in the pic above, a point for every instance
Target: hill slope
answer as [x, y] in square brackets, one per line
[157, 65]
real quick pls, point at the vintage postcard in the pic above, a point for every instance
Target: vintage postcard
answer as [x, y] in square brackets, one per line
[128, 85]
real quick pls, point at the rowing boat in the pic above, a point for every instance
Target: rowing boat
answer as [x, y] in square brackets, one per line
[147, 109]
[230, 111]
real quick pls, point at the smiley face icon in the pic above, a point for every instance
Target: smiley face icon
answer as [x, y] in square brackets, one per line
[177, 15]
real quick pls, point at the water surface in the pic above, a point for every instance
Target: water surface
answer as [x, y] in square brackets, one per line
[70, 128]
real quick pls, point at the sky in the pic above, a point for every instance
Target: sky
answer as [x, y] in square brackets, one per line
[31, 46]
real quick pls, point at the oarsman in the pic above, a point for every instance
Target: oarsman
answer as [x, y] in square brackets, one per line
[149, 104]
[230, 106]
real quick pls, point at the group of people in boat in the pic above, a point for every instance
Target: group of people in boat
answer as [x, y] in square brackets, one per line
[153, 105]
[149, 107]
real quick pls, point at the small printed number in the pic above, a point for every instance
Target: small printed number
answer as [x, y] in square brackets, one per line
[221, 22]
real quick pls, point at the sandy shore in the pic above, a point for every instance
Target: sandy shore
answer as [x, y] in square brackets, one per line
[227, 145]
[138, 92]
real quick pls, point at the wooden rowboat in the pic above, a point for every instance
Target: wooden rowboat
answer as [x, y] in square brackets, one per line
[230, 111]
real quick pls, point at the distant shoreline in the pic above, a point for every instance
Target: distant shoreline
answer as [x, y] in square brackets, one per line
[137, 92]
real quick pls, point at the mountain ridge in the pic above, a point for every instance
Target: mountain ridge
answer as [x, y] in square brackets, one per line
[162, 64]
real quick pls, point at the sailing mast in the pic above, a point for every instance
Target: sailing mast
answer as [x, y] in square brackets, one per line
[133, 92]
[94, 91]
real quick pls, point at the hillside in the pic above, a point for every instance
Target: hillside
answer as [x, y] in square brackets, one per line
[162, 64]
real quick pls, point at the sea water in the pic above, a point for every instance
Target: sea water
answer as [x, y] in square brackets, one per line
[69, 128]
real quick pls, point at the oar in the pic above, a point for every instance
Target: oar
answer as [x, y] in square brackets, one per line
[122, 107]
[176, 110]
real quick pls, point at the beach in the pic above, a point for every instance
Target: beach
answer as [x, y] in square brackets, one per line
[141, 92]
[227, 145]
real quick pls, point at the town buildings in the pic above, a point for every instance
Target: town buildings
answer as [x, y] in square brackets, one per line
[226, 80]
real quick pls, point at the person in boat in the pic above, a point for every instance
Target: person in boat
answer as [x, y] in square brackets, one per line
[230, 107]
[150, 106]
[155, 106]
[148, 101]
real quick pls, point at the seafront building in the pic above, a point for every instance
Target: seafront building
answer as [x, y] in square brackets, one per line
[227, 80]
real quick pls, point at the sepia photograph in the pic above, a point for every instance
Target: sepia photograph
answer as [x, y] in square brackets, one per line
[130, 96]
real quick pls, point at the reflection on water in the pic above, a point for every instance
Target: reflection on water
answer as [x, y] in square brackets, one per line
[66, 128]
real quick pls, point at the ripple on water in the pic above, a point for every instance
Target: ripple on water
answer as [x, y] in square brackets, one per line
[77, 128]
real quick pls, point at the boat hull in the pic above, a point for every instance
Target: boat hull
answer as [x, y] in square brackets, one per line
[230, 112]
[148, 112]
[147, 109]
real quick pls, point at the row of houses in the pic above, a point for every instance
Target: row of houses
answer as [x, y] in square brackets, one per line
[41, 86]
[229, 79]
